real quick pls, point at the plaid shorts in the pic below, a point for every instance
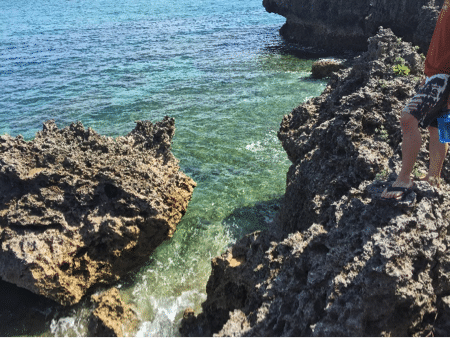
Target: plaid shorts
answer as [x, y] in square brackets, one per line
[430, 100]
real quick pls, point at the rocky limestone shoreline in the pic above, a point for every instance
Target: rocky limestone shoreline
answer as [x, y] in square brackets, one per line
[79, 210]
[341, 262]
[345, 25]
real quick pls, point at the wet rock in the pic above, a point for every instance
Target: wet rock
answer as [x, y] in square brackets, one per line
[188, 313]
[78, 209]
[346, 25]
[234, 278]
[325, 68]
[188, 323]
[112, 317]
[347, 264]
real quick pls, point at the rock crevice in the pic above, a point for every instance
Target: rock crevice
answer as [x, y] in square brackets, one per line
[347, 264]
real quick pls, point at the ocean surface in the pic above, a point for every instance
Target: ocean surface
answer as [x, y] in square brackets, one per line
[218, 67]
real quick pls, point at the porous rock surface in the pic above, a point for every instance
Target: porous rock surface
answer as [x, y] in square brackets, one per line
[342, 25]
[78, 209]
[345, 263]
[112, 317]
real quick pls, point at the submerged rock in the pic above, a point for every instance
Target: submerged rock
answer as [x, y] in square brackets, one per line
[347, 264]
[78, 209]
[346, 25]
[325, 68]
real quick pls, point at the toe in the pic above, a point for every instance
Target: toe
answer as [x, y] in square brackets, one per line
[387, 194]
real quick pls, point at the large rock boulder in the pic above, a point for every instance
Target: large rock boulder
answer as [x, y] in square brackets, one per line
[347, 24]
[79, 209]
[346, 264]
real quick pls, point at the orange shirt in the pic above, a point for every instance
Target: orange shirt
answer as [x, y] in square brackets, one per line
[438, 56]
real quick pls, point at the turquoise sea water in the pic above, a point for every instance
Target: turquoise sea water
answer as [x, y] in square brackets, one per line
[219, 67]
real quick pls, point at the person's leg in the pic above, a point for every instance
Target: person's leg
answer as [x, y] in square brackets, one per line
[438, 151]
[425, 107]
[412, 141]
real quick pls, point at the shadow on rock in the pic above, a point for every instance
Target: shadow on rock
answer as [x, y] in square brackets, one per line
[24, 313]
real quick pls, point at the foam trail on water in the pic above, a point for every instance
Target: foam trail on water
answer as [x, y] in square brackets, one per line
[168, 314]
[71, 326]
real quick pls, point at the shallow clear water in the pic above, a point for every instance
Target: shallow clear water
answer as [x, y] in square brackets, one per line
[218, 67]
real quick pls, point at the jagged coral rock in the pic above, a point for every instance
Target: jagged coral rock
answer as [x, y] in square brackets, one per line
[335, 141]
[348, 264]
[112, 317]
[79, 209]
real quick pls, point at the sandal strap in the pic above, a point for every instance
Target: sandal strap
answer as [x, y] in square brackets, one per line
[399, 189]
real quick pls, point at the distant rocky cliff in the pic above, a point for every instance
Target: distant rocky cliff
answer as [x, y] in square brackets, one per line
[347, 24]
[343, 262]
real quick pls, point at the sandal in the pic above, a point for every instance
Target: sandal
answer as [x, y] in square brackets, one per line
[404, 192]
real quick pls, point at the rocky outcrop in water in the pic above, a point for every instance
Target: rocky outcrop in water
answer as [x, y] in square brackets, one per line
[345, 263]
[347, 24]
[325, 68]
[112, 316]
[78, 209]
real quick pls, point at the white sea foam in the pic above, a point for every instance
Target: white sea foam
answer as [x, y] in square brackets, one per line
[68, 327]
[168, 314]
[254, 147]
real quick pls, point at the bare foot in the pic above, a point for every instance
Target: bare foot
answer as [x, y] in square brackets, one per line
[432, 180]
[396, 194]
